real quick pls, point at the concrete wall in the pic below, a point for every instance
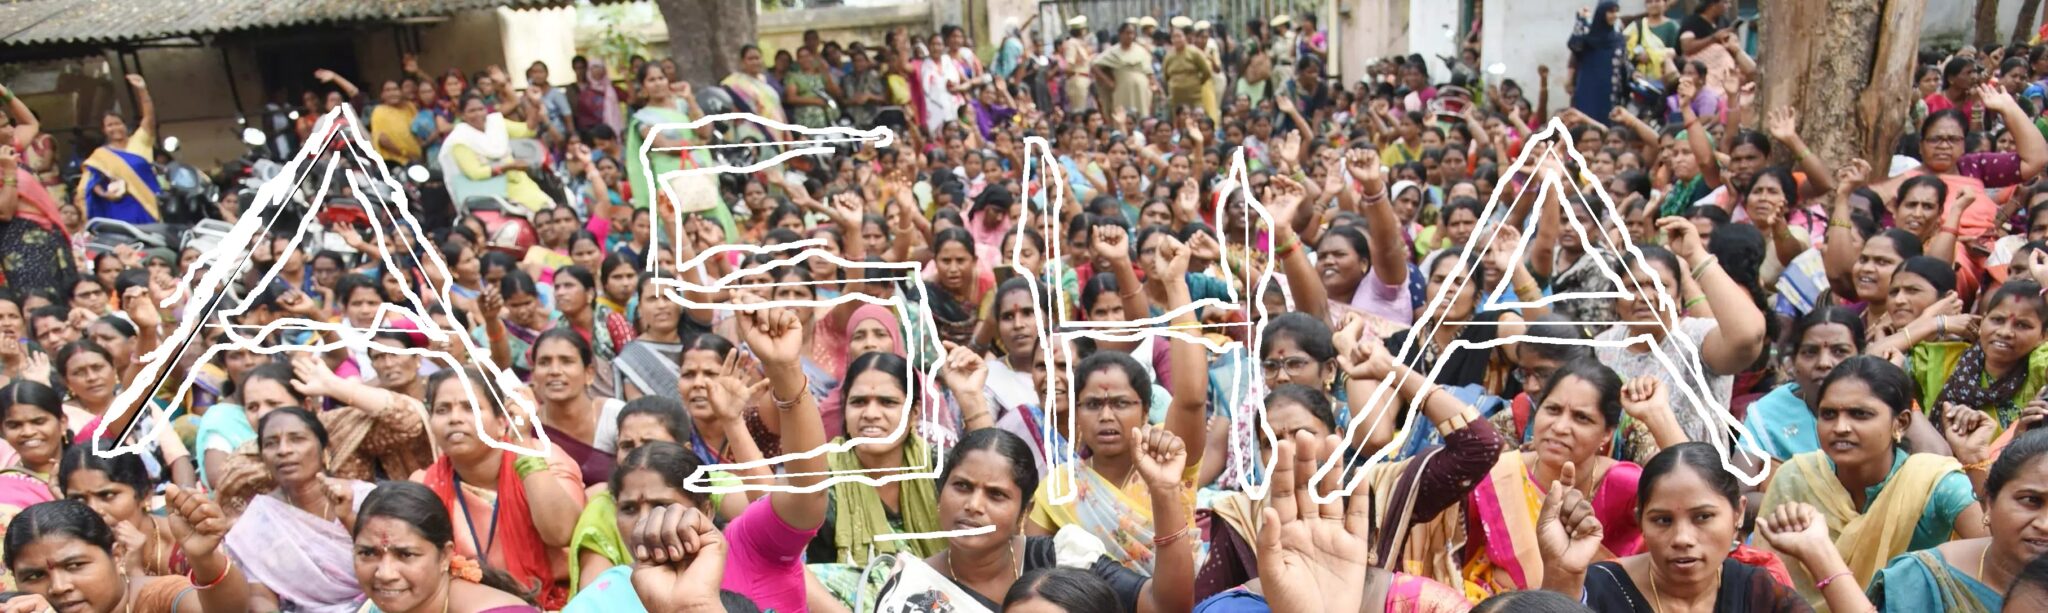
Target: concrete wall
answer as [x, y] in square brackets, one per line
[1526, 33]
[1952, 22]
[778, 30]
[1433, 32]
[539, 35]
[1369, 30]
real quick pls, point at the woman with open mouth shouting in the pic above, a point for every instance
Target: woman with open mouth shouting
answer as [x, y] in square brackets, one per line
[883, 415]
[1972, 574]
[1571, 432]
[308, 509]
[987, 481]
[1690, 507]
[1866, 483]
[1112, 391]
[63, 552]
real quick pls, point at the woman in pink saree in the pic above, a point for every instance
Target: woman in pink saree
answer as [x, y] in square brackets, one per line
[309, 510]
[1968, 176]
[1571, 432]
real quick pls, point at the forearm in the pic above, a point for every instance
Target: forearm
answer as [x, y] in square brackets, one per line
[501, 346]
[974, 410]
[1843, 594]
[1131, 291]
[1741, 329]
[1820, 178]
[1310, 295]
[554, 508]
[1789, 246]
[2032, 147]
[230, 592]
[802, 428]
[743, 451]
[1173, 565]
[1913, 333]
[1187, 417]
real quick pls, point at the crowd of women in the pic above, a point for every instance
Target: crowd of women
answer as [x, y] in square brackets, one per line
[1878, 328]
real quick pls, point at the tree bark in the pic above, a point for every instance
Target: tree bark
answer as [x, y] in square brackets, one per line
[1987, 23]
[2023, 29]
[1846, 66]
[705, 36]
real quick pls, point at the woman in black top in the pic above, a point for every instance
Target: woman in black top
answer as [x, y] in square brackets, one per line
[1689, 508]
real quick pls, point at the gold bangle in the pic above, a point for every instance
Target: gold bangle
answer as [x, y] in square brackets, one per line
[1457, 422]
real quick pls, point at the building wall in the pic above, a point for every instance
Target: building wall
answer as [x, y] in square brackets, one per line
[783, 30]
[1369, 30]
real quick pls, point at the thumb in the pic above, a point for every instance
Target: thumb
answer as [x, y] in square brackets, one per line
[1569, 477]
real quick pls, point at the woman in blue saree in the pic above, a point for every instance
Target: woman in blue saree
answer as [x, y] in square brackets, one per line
[1971, 575]
[119, 182]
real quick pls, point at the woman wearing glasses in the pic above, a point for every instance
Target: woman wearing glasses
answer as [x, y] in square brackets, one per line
[1963, 176]
[1112, 391]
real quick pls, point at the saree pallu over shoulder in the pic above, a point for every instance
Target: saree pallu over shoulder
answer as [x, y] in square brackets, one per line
[1427, 547]
[1504, 509]
[108, 164]
[1867, 538]
[1925, 581]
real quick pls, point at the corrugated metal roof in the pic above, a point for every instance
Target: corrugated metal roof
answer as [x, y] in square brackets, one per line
[59, 22]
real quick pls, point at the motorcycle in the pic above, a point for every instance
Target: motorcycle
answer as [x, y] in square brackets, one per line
[187, 192]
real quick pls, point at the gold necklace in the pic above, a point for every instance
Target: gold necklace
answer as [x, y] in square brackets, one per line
[1983, 574]
[1016, 564]
[1656, 598]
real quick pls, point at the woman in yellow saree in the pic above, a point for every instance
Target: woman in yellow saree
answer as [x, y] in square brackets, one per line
[1113, 391]
[1571, 431]
[1879, 501]
[752, 88]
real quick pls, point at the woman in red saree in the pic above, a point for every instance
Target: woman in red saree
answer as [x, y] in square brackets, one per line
[517, 511]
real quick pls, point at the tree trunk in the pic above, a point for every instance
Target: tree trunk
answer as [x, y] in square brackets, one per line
[705, 36]
[2023, 29]
[1987, 24]
[1846, 65]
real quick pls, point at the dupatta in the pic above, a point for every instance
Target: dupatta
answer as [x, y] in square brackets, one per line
[1123, 522]
[1867, 538]
[317, 573]
[526, 556]
[860, 514]
[42, 208]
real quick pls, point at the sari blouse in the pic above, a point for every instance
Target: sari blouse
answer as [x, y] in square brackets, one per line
[1744, 589]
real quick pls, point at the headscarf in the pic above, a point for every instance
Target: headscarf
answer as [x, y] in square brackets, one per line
[490, 143]
[597, 82]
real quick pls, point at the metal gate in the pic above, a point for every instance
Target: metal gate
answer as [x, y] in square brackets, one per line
[1229, 15]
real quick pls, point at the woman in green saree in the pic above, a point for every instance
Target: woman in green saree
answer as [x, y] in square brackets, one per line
[1960, 575]
[649, 155]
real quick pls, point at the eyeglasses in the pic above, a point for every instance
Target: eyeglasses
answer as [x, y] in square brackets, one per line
[1289, 364]
[1534, 377]
[1114, 404]
[1943, 140]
